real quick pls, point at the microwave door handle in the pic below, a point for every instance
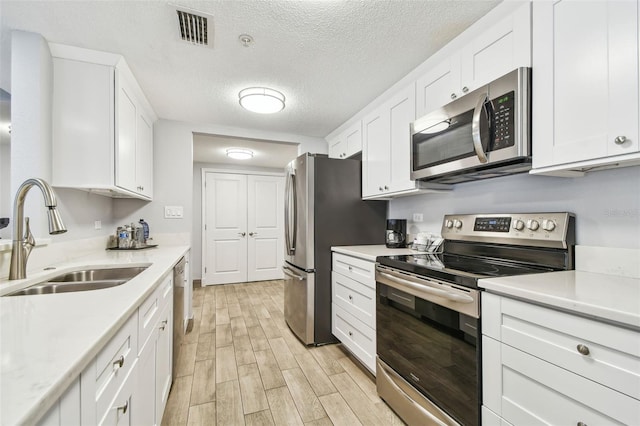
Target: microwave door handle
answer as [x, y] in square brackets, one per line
[475, 128]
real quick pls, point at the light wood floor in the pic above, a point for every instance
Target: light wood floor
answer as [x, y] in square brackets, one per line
[242, 365]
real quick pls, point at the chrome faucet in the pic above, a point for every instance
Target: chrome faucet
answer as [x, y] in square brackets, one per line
[22, 247]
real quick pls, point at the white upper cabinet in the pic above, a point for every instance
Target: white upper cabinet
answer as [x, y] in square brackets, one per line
[585, 86]
[386, 149]
[499, 49]
[347, 143]
[102, 125]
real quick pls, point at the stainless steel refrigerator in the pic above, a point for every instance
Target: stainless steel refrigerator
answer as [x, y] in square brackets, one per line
[323, 208]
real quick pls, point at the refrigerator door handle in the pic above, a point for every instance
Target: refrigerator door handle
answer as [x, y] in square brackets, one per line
[291, 196]
[289, 272]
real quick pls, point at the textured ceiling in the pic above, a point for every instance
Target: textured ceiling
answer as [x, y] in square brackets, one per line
[213, 149]
[330, 58]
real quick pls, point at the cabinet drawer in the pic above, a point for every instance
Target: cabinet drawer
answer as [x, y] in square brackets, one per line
[149, 311]
[357, 269]
[355, 336]
[537, 392]
[602, 352]
[118, 412]
[111, 367]
[355, 297]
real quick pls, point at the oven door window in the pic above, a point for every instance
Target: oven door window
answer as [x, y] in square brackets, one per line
[434, 348]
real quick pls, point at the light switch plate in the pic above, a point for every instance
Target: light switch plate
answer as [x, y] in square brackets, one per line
[417, 217]
[173, 212]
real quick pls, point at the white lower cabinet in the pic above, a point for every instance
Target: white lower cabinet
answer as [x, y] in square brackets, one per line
[542, 366]
[66, 411]
[353, 307]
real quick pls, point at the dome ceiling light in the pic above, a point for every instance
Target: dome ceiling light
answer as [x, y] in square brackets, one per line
[239, 153]
[261, 100]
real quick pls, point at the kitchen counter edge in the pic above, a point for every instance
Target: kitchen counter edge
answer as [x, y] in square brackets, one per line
[370, 252]
[608, 298]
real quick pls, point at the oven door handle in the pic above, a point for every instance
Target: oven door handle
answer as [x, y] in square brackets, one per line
[454, 297]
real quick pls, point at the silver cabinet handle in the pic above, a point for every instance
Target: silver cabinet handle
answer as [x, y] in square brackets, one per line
[350, 334]
[380, 188]
[251, 234]
[475, 128]
[119, 362]
[583, 349]
[453, 96]
[351, 297]
[242, 234]
[124, 408]
[619, 140]
[386, 188]
[581, 424]
[465, 89]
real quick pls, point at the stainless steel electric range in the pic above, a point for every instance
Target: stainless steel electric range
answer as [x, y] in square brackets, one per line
[428, 320]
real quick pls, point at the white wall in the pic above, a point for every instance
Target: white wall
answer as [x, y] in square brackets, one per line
[197, 230]
[606, 203]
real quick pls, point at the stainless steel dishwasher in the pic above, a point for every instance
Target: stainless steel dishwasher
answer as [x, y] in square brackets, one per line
[178, 310]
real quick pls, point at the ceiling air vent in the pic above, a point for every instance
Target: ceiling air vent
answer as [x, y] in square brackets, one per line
[194, 28]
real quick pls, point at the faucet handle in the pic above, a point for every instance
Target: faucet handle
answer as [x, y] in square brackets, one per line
[29, 242]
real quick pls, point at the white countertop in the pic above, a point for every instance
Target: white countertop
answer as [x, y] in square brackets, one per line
[370, 252]
[601, 296]
[47, 340]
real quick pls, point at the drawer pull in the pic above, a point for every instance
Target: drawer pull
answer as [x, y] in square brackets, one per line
[350, 268]
[119, 362]
[581, 424]
[351, 297]
[583, 349]
[164, 324]
[124, 408]
[350, 334]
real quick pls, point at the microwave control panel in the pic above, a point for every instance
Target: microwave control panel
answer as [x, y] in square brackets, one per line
[503, 121]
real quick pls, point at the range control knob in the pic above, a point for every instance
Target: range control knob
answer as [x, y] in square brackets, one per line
[533, 224]
[457, 224]
[518, 225]
[548, 225]
[448, 224]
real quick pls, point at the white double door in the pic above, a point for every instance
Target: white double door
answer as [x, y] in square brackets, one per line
[244, 228]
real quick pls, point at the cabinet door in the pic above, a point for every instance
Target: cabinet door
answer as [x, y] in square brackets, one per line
[353, 138]
[145, 397]
[164, 361]
[585, 81]
[144, 156]
[438, 86]
[498, 50]
[337, 147]
[120, 411]
[126, 135]
[375, 153]
[402, 111]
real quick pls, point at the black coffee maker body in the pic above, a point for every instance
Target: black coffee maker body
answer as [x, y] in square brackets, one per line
[396, 233]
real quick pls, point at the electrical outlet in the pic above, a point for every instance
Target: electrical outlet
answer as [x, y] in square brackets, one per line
[98, 224]
[417, 217]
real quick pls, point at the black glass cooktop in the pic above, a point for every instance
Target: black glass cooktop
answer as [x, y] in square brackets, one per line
[457, 269]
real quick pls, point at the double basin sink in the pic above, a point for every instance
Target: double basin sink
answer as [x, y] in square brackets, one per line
[82, 280]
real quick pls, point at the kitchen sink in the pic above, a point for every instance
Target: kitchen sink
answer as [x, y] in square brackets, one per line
[82, 280]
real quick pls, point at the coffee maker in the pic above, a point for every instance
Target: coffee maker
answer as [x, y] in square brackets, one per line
[396, 233]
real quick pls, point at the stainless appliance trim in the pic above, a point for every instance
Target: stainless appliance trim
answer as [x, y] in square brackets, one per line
[475, 128]
[300, 321]
[290, 195]
[288, 271]
[463, 300]
[415, 407]
[518, 81]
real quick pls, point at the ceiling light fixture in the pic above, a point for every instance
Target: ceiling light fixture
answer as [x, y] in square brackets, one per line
[261, 100]
[239, 153]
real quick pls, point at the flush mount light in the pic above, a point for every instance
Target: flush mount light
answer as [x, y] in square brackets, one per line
[261, 100]
[239, 153]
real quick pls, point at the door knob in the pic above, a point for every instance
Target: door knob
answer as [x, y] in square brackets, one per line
[242, 234]
[251, 234]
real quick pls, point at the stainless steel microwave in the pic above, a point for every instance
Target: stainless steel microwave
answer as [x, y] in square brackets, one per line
[484, 134]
